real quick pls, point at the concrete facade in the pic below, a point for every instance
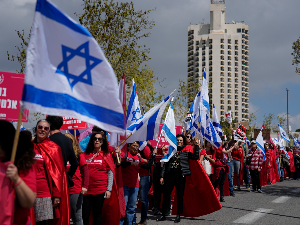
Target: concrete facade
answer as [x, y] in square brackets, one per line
[221, 49]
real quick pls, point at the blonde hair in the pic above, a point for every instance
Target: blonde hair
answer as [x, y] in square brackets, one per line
[75, 144]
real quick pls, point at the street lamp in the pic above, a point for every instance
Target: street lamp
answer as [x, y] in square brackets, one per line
[287, 111]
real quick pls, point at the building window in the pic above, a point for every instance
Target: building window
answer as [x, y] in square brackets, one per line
[222, 74]
[197, 42]
[222, 79]
[229, 85]
[221, 85]
[229, 91]
[203, 52]
[229, 96]
[229, 46]
[236, 42]
[229, 101]
[210, 79]
[236, 91]
[222, 101]
[229, 74]
[229, 53]
[222, 106]
[236, 58]
[222, 117]
[222, 112]
[236, 108]
[236, 86]
[222, 51]
[229, 107]
[236, 113]
[225, 31]
[236, 102]
[221, 96]
[222, 90]
[210, 41]
[236, 53]
[236, 63]
[236, 80]
[210, 74]
[236, 48]
[229, 79]
[203, 64]
[229, 57]
[236, 69]
[236, 97]
[229, 41]
[229, 63]
[236, 75]
[222, 40]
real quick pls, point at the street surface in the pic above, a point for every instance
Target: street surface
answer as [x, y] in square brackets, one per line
[278, 204]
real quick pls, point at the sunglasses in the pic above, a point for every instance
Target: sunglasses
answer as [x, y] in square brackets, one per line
[189, 137]
[40, 127]
[99, 139]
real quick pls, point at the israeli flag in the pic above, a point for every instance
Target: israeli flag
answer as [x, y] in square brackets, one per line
[67, 73]
[260, 143]
[281, 147]
[247, 141]
[147, 128]
[16, 126]
[212, 136]
[216, 122]
[134, 112]
[296, 143]
[169, 132]
[283, 134]
[143, 144]
[204, 106]
[194, 109]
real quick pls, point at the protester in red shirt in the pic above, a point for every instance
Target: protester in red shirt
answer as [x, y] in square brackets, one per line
[131, 163]
[255, 166]
[210, 156]
[21, 173]
[100, 178]
[81, 183]
[237, 154]
[52, 200]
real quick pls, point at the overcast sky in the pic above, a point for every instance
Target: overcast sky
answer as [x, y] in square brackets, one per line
[273, 26]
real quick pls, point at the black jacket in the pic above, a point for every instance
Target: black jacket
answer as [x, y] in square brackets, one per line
[184, 163]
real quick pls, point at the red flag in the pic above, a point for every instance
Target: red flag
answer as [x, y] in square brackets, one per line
[263, 126]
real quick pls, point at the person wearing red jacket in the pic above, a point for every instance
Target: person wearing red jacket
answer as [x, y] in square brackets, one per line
[237, 154]
[52, 200]
[80, 180]
[21, 174]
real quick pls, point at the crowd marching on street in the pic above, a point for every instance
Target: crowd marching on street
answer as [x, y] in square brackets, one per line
[117, 164]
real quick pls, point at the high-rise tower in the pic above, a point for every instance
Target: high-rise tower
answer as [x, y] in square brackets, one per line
[222, 49]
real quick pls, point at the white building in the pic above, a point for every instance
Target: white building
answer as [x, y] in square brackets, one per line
[222, 49]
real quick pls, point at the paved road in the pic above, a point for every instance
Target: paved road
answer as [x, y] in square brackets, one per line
[278, 204]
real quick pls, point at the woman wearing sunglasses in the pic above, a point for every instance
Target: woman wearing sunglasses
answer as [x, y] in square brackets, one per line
[192, 142]
[101, 177]
[52, 200]
[174, 174]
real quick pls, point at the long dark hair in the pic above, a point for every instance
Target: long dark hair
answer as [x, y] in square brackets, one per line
[90, 146]
[25, 153]
[183, 137]
[211, 147]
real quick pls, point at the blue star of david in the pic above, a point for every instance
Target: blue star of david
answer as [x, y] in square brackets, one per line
[90, 63]
[134, 114]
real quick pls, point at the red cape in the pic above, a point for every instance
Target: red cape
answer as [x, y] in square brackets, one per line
[269, 169]
[114, 207]
[234, 179]
[56, 173]
[292, 163]
[199, 195]
[7, 196]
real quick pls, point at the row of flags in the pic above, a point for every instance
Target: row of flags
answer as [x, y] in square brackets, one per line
[67, 74]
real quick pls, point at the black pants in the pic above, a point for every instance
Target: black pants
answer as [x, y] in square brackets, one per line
[220, 182]
[211, 178]
[173, 179]
[255, 179]
[94, 202]
[44, 222]
[157, 188]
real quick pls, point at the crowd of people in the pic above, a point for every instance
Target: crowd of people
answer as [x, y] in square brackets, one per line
[55, 182]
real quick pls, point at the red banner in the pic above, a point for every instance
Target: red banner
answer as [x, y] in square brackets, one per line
[164, 141]
[11, 88]
[71, 123]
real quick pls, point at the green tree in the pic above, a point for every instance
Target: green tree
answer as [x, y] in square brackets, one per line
[282, 121]
[298, 130]
[296, 54]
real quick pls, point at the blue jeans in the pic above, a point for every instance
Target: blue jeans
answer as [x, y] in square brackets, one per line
[144, 190]
[236, 165]
[282, 172]
[230, 178]
[278, 167]
[130, 196]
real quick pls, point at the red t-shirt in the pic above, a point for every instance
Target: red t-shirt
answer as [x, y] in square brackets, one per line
[219, 153]
[159, 155]
[237, 153]
[213, 156]
[296, 151]
[21, 216]
[42, 185]
[130, 173]
[201, 152]
[98, 173]
[147, 154]
[77, 178]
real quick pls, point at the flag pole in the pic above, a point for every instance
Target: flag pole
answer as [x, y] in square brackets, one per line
[16, 139]
[75, 133]
[118, 154]
[124, 140]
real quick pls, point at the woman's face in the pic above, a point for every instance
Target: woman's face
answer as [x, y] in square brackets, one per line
[98, 141]
[208, 144]
[179, 141]
[42, 130]
[188, 138]
[134, 148]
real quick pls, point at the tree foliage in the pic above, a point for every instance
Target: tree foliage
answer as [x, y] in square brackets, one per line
[296, 54]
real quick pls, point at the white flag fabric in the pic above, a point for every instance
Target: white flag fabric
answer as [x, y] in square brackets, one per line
[169, 132]
[216, 122]
[296, 142]
[207, 129]
[147, 128]
[283, 134]
[67, 73]
[281, 146]
[134, 112]
[260, 143]
[143, 144]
